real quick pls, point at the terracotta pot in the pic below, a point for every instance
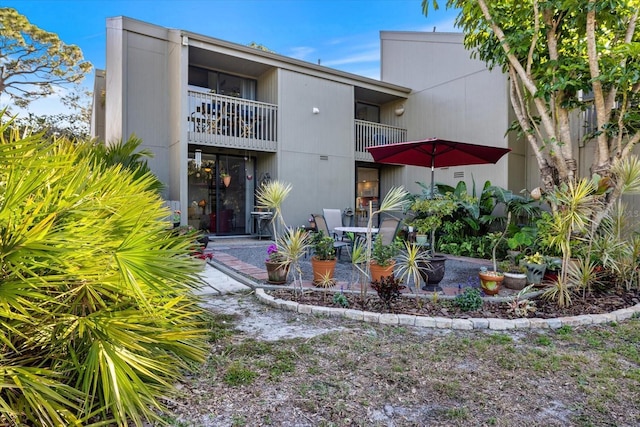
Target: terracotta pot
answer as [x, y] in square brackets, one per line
[378, 272]
[516, 281]
[226, 180]
[322, 268]
[277, 273]
[490, 282]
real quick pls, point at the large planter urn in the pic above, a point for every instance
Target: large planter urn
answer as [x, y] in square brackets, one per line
[433, 271]
[490, 281]
[276, 272]
[516, 281]
[535, 273]
[322, 269]
[378, 271]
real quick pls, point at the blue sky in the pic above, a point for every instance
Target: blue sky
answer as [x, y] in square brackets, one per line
[342, 34]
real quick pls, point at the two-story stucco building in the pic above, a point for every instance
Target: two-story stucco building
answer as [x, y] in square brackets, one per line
[209, 108]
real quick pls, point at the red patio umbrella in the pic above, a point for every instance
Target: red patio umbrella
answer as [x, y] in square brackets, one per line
[437, 153]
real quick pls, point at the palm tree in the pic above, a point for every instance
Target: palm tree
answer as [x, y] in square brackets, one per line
[96, 295]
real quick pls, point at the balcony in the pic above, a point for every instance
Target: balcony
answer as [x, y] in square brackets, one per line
[226, 121]
[369, 134]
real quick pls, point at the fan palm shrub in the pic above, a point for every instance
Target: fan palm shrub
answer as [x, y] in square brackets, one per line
[97, 307]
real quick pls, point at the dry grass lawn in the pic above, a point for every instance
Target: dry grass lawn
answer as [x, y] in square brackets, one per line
[372, 375]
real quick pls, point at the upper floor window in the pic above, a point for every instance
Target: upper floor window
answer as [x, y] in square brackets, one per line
[368, 112]
[222, 83]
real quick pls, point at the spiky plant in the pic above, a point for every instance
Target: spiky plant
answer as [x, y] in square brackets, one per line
[292, 245]
[396, 199]
[97, 307]
[559, 291]
[358, 260]
[574, 206]
[411, 263]
[271, 196]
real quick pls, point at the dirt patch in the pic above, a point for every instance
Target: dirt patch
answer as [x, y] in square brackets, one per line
[262, 322]
[597, 302]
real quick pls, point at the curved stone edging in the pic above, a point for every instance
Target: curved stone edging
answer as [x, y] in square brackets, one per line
[448, 323]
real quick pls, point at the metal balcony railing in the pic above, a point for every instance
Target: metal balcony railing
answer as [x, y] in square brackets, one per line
[226, 121]
[369, 134]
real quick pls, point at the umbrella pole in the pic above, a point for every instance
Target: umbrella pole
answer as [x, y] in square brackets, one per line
[432, 175]
[433, 232]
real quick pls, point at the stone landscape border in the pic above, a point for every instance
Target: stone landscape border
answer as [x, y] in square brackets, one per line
[449, 323]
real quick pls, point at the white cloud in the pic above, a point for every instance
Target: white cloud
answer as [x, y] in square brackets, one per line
[354, 59]
[301, 52]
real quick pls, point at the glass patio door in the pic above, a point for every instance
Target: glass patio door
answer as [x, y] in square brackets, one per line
[367, 191]
[219, 194]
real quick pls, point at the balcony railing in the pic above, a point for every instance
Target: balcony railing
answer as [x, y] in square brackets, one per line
[225, 121]
[369, 134]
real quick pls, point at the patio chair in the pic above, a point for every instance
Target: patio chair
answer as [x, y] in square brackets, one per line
[388, 229]
[333, 218]
[321, 225]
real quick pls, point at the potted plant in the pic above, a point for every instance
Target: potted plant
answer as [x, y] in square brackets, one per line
[491, 280]
[226, 178]
[293, 244]
[277, 265]
[536, 267]
[514, 275]
[289, 247]
[382, 258]
[429, 211]
[323, 261]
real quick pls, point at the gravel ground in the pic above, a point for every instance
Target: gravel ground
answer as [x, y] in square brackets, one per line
[458, 271]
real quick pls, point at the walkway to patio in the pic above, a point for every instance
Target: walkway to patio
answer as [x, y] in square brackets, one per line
[246, 256]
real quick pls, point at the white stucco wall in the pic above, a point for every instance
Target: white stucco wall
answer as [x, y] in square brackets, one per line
[316, 150]
[454, 97]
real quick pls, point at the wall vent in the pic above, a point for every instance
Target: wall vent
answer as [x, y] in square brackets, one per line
[324, 157]
[458, 175]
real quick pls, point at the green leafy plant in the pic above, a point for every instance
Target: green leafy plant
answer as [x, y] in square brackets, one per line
[522, 239]
[469, 300]
[509, 266]
[340, 299]
[428, 213]
[388, 289]
[99, 313]
[323, 248]
[382, 254]
[536, 258]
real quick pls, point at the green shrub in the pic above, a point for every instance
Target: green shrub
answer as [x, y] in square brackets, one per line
[96, 303]
[469, 300]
